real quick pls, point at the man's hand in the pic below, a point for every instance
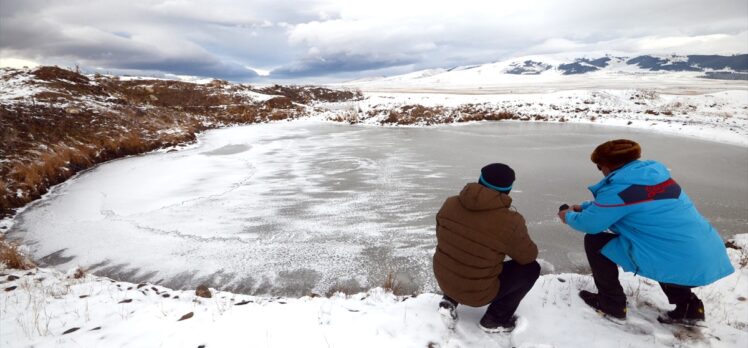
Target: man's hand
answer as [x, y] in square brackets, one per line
[562, 215]
[577, 208]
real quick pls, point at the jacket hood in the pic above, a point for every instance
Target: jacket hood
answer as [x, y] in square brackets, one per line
[475, 196]
[635, 173]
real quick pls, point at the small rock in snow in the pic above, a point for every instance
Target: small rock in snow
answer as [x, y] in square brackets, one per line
[71, 330]
[203, 291]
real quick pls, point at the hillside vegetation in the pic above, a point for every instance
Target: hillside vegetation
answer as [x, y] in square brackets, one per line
[55, 122]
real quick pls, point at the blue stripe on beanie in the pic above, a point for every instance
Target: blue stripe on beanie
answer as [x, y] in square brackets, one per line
[484, 182]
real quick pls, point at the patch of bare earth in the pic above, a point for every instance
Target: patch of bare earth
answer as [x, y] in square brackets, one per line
[428, 115]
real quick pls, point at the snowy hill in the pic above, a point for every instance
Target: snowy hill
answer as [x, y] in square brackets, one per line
[565, 71]
[46, 308]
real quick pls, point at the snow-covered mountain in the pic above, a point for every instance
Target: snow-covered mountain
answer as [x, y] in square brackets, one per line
[573, 69]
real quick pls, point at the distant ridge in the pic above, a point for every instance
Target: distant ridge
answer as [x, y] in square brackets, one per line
[556, 67]
[726, 65]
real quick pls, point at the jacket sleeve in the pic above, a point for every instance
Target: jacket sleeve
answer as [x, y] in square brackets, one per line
[521, 248]
[595, 219]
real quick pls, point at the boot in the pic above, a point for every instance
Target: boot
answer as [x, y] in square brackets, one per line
[593, 300]
[448, 311]
[688, 312]
[491, 324]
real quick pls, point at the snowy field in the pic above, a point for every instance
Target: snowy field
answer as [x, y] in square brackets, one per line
[620, 94]
[720, 115]
[303, 207]
[47, 308]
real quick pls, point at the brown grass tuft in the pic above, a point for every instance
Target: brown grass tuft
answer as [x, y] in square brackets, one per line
[391, 284]
[11, 257]
[80, 272]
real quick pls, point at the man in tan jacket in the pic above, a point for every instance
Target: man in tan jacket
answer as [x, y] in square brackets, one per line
[475, 231]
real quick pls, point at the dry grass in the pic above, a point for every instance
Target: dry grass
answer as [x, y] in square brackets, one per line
[12, 257]
[350, 114]
[79, 273]
[425, 115]
[45, 142]
[307, 94]
[391, 284]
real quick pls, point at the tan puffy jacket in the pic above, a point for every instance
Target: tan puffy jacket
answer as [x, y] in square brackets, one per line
[474, 232]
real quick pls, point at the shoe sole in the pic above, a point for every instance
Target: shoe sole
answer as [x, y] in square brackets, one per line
[610, 318]
[495, 330]
[682, 322]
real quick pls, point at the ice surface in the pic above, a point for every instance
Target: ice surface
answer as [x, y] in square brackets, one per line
[298, 207]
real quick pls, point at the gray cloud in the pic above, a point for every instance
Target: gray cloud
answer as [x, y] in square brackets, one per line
[340, 63]
[345, 39]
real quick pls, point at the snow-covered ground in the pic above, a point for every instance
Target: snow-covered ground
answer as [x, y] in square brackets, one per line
[47, 308]
[717, 116]
[618, 94]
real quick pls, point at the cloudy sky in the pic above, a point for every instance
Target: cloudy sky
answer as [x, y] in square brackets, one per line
[328, 40]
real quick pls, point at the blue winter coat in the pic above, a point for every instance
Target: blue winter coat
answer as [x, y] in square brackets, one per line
[661, 234]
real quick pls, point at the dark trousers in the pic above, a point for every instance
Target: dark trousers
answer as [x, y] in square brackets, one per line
[515, 282]
[605, 274]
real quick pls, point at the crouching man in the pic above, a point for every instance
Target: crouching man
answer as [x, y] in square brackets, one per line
[475, 231]
[656, 233]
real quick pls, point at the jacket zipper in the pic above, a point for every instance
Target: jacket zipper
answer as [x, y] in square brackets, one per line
[630, 251]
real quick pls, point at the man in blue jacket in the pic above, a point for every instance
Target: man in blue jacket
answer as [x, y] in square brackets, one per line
[655, 231]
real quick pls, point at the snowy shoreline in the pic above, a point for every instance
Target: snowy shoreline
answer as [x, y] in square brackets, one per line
[717, 116]
[48, 308]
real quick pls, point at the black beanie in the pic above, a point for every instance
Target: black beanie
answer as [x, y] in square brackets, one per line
[497, 176]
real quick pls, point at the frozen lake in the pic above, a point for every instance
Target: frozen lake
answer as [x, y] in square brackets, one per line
[301, 207]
